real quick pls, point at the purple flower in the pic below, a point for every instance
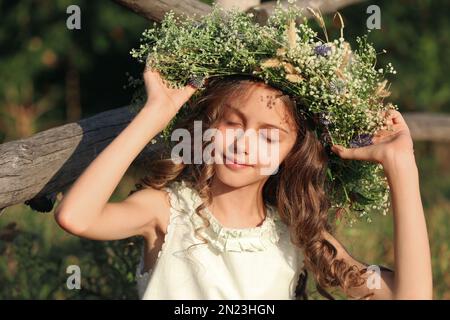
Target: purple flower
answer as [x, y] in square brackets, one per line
[325, 138]
[197, 81]
[361, 140]
[322, 50]
[323, 120]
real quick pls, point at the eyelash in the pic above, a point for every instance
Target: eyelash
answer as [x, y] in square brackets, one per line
[232, 123]
[271, 141]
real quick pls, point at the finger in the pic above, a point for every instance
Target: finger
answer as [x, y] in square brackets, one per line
[183, 94]
[361, 153]
[151, 75]
[382, 132]
[194, 83]
[396, 117]
[189, 90]
[148, 69]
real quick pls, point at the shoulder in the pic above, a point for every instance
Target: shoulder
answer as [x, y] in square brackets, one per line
[182, 196]
[176, 195]
[154, 202]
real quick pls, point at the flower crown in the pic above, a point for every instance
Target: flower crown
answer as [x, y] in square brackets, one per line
[341, 90]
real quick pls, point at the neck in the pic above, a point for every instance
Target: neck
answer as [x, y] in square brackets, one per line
[238, 207]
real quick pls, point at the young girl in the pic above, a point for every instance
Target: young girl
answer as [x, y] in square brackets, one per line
[225, 230]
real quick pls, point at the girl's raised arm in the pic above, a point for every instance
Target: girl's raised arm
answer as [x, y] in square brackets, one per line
[85, 210]
[412, 277]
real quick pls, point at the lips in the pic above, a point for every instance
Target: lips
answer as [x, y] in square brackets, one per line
[232, 162]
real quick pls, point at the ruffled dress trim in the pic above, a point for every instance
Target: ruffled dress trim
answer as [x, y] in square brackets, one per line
[223, 238]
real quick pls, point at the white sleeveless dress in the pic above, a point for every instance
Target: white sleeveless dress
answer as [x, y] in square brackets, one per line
[236, 263]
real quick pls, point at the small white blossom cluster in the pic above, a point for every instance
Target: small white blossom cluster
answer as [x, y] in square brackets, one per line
[340, 88]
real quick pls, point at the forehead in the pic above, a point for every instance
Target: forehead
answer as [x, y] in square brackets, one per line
[261, 102]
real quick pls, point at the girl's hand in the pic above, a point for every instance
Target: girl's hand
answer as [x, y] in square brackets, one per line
[387, 144]
[159, 94]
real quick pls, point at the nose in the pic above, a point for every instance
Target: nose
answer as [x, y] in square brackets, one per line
[242, 144]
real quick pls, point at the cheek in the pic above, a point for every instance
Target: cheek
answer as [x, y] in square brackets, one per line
[267, 152]
[271, 160]
[272, 153]
[284, 151]
[286, 148]
[222, 142]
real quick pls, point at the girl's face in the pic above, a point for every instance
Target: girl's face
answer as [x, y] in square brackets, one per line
[254, 136]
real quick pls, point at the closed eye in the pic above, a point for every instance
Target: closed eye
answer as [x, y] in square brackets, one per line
[268, 137]
[232, 123]
[270, 140]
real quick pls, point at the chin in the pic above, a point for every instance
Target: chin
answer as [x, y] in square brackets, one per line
[236, 178]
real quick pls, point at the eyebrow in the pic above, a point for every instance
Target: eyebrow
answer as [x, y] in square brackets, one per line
[262, 124]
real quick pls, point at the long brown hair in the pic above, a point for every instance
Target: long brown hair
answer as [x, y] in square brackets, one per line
[301, 198]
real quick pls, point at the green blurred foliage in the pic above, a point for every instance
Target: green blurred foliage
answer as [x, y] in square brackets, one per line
[45, 68]
[416, 35]
[35, 254]
[43, 64]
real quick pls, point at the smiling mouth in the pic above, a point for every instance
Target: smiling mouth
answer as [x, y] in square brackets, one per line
[234, 164]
